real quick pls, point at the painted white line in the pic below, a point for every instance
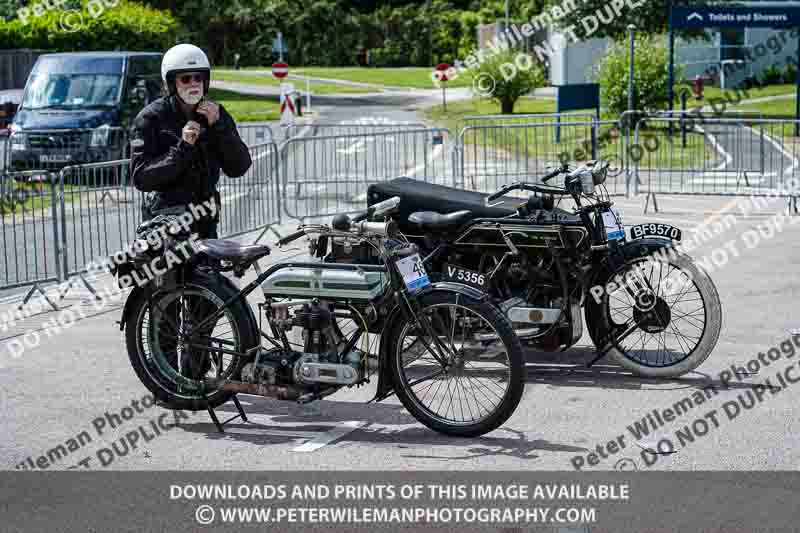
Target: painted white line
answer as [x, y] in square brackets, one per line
[728, 157]
[328, 437]
[780, 148]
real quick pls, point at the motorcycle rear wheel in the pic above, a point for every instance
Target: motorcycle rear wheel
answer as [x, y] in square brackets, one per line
[151, 342]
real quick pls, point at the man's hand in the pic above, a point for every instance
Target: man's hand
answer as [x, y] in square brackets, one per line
[210, 110]
[191, 131]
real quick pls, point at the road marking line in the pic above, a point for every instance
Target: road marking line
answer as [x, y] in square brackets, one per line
[777, 145]
[329, 436]
[715, 144]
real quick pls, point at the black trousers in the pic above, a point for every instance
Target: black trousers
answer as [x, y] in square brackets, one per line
[194, 362]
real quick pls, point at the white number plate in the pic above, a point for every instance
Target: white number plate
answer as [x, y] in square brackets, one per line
[55, 158]
[612, 220]
[413, 272]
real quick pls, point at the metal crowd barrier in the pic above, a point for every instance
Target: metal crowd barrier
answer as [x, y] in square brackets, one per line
[82, 214]
[327, 175]
[714, 156]
[496, 154]
[255, 134]
[252, 201]
[88, 211]
[99, 212]
[524, 119]
[28, 228]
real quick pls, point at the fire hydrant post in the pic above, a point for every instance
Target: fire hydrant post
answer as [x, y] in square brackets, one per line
[441, 75]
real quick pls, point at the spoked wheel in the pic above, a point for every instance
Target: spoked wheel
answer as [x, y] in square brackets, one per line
[665, 317]
[172, 355]
[465, 375]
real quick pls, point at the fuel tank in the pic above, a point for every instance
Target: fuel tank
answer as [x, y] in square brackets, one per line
[326, 283]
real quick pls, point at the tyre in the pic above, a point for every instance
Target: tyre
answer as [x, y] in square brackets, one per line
[169, 370]
[484, 379]
[675, 309]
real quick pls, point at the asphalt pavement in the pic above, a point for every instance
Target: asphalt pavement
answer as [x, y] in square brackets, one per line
[67, 397]
[76, 379]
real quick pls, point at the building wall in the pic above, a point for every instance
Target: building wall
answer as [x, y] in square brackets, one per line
[573, 62]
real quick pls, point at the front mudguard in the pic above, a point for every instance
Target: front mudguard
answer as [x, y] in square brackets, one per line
[604, 272]
[625, 252]
[385, 384]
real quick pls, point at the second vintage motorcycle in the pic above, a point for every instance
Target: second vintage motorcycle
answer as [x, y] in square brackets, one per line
[648, 307]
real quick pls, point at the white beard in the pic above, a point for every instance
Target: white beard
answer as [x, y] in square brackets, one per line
[191, 96]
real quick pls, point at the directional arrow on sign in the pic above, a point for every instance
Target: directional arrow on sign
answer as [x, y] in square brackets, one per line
[695, 15]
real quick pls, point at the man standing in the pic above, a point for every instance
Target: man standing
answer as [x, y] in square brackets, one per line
[179, 145]
[180, 142]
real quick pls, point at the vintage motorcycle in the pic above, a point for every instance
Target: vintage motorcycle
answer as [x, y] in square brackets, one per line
[648, 307]
[450, 356]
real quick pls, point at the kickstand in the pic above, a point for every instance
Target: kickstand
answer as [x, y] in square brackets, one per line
[216, 421]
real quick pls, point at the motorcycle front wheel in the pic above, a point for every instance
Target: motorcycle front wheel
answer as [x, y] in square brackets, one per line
[662, 316]
[470, 382]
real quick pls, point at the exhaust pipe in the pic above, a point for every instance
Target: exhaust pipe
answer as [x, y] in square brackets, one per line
[256, 389]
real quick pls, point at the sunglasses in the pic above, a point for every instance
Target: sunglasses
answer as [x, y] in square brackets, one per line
[186, 79]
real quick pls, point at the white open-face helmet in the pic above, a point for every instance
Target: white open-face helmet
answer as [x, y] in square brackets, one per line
[184, 58]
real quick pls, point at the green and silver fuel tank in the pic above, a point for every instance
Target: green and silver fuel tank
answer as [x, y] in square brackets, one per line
[326, 282]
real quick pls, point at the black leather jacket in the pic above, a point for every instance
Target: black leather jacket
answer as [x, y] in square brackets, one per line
[175, 172]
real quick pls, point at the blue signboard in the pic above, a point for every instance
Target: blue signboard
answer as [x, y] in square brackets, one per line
[734, 17]
[577, 96]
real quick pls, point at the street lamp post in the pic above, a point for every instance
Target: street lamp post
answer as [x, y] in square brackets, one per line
[631, 30]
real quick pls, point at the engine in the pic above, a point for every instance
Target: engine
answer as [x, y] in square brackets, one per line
[327, 359]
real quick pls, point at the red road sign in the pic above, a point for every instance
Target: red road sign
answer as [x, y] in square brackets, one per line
[287, 102]
[442, 68]
[280, 70]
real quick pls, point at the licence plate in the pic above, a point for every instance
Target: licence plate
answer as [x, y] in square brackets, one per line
[468, 277]
[413, 272]
[658, 230]
[612, 220]
[55, 158]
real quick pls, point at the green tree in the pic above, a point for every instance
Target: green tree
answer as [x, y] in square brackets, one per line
[651, 74]
[507, 76]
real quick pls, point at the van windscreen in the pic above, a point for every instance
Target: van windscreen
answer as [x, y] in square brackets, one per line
[78, 65]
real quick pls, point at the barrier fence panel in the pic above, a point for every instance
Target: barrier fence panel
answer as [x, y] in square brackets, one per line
[326, 175]
[252, 201]
[524, 119]
[28, 228]
[363, 127]
[256, 134]
[719, 156]
[494, 155]
[100, 210]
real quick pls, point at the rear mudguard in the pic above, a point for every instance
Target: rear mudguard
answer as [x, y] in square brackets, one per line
[385, 384]
[196, 275]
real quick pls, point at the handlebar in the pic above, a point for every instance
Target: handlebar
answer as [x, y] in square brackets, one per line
[552, 174]
[343, 224]
[291, 237]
